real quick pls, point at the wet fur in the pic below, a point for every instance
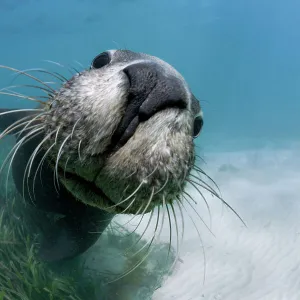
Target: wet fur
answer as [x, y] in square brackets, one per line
[71, 134]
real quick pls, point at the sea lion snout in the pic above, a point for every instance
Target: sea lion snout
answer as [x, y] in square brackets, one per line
[154, 89]
[123, 128]
[151, 89]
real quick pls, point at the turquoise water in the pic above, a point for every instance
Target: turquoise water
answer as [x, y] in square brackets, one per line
[240, 58]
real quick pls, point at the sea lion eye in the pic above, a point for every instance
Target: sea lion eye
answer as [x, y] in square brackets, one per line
[198, 124]
[100, 61]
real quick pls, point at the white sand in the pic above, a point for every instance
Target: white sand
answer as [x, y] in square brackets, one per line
[258, 262]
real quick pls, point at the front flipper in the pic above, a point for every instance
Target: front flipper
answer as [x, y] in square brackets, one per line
[73, 235]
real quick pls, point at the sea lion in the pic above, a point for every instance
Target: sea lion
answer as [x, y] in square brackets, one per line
[116, 138]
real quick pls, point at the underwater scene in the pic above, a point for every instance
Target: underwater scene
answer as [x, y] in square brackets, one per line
[149, 150]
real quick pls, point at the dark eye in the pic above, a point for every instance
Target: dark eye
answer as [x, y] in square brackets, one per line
[198, 124]
[100, 61]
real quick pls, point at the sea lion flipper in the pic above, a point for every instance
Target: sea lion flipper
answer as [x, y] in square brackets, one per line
[10, 116]
[71, 236]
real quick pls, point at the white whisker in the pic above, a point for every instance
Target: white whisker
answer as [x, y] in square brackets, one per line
[60, 151]
[202, 246]
[28, 75]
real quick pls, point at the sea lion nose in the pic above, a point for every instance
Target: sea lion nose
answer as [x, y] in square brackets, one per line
[152, 89]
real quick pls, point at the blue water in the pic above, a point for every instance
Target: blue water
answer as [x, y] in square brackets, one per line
[240, 58]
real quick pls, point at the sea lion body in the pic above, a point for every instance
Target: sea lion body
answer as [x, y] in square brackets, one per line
[116, 138]
[81, 225]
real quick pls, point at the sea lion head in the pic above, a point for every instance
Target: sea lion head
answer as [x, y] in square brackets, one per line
[120, 134]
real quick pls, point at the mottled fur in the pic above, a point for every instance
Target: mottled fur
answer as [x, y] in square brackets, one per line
[87, 110]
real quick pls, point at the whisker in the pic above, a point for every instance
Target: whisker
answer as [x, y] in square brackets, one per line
[79, 64]
[73, 129]
[33, 155]
[131, 174]
[65, 168]
[222, 200]
[18, 132]
[58, 75]
[53, 62]
[202, 246]
[133, 194]
[19, 123]
[26, 180]
[186, 193]
[170, 232]
[30, 122]
[30, 86]
[179, 245]
[143, 213]
[79, 144]
[59, 156]
[19, 110]
[75, 70]
[126, 199]
[40, 165]
[27, 166]
[134, 216]
[203, 182]
[54, 74]
[28, 75]
[209, 228]
[141, 236]
[56, 136]
[207, 188]
[10, 153]
[117, 44]
[54, 173]
[60, 65]
[130, 204]
[199, 157]
[22, 97]
[135, 191]
[199, 170]
[37, 97]
[194, 184]
[15, 149]
[164, 185]
[148, 252]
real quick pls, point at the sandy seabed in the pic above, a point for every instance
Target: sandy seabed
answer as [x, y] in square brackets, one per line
[257, 262]
[261, 261]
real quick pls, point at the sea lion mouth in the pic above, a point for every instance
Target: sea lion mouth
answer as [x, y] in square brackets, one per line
[100, 199]
[91, 194]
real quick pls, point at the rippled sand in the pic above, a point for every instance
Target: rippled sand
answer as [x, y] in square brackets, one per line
[258, 262]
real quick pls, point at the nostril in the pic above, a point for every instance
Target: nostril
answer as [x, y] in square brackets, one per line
[167, 93]
[128, 76]
[152, 90]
